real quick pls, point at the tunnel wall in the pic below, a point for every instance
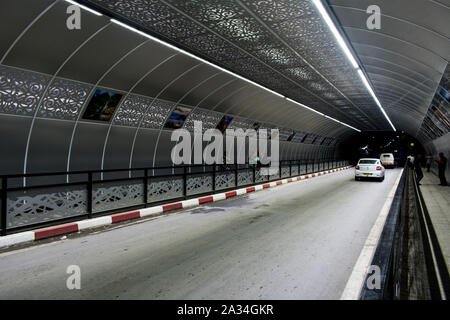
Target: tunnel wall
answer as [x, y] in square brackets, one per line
[42, 129]
[441, 144]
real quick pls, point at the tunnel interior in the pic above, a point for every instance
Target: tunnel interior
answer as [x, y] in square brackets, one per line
[107, 94]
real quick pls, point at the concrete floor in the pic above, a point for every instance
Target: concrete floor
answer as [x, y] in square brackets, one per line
[437, 201]
[296, 241]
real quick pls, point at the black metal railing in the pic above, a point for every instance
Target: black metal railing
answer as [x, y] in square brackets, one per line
[42, 199]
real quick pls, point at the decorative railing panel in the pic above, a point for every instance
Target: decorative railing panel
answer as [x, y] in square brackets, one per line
[294, 170]
[117, 194]
[259, 176]
[165, 188]
[245, 177]
[225, 180]
[199, 183]
[285, 171]
[32, 206]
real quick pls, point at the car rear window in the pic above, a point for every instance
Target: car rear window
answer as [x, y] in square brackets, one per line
[387, 155]
[367, 161]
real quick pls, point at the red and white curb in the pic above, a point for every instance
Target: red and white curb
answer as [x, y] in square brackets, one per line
[63, 229]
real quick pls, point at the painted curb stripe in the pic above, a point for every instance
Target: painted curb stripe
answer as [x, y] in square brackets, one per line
[172, 206]
[55, 231]
[205, 200]
[230, 194]
[125, 216]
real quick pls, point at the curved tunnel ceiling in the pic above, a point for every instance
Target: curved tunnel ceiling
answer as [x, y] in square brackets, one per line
[405, 59]
[281, 44]
[286, 46]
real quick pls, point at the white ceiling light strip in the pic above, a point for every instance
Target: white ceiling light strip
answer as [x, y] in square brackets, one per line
[84, 7]
[210, 64]
[350, 56]
[323, 115]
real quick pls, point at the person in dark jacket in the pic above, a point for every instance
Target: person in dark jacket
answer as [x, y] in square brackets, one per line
[442, 164]
[418, 168]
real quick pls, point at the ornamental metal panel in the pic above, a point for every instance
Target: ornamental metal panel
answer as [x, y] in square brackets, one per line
[165, 188]
[209, 119]
[285, 171]
[199, 183]
[245, 177]
[117, 194]
[225, 180]
[32, 206]
[146, 111]
[294, 171]
[21, 91]
[64, 99]
[260, 177]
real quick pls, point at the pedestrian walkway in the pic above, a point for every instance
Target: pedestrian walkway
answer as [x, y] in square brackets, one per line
[437, 201]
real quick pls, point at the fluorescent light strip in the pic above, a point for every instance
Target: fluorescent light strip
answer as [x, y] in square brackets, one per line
[336, 33]
[323, 115]
[348, 53]
[369, 88]
[193, 56]
[226, 71]
[84, 7]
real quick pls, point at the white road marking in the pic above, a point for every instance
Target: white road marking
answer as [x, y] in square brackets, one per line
[355, 283]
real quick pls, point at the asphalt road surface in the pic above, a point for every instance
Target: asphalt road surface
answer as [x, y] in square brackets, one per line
[296, 241]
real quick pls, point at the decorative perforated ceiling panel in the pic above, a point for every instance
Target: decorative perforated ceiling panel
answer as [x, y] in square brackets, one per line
[282, 44]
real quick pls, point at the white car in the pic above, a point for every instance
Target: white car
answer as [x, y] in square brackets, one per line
[369, 168]
[387, 160]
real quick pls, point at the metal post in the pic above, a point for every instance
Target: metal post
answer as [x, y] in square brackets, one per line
[279, 172]
[236, 174]
[4, 205]
[214, 178]
[145, 187]
[290, 168]
[185, 182]
[254, 175]
[89, 194]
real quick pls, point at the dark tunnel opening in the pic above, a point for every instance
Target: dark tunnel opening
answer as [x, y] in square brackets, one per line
[371, 144]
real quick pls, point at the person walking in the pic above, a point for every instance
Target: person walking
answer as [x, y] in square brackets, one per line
[418, 168]
[442, 164]
[429, 159]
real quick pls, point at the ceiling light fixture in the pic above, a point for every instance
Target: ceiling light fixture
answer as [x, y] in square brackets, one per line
[228, 72]
[325, 15]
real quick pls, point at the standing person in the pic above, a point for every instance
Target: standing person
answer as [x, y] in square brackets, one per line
[418, 168]
[442, 164]
[410, 160]
[429, 159]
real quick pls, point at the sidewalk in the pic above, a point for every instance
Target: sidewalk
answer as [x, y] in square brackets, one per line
[437, 201]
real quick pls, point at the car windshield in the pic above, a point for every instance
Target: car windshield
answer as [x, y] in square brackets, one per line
[386, 155]
[367, 161]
